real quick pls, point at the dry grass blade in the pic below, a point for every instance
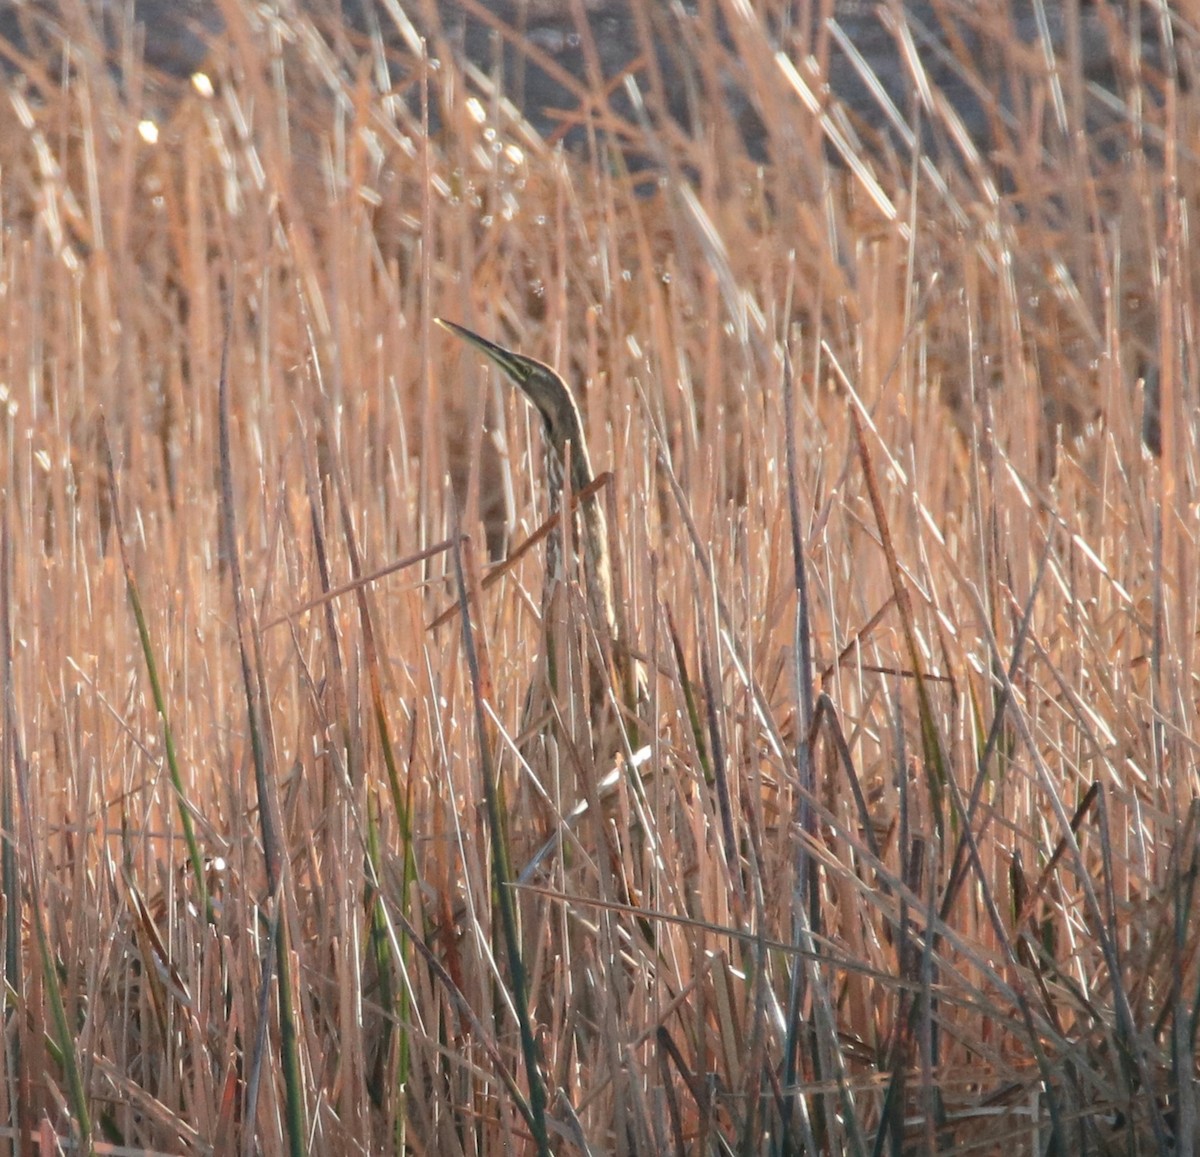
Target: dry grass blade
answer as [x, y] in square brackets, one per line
[365, 581]
[135, 602]
[270, 816]
[934, 759]
[16, 791]
[535, 1114]
[18, 773]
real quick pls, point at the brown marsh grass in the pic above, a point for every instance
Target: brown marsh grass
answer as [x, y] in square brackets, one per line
[259, 854]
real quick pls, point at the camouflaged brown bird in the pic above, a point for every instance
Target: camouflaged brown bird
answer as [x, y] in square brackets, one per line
[567, 444]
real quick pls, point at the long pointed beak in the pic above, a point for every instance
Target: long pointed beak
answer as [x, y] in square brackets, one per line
[519, 368]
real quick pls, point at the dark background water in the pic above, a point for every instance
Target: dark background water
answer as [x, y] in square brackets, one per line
[977, 55]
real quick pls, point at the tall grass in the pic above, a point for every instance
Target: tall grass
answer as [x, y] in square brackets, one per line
[911, 860]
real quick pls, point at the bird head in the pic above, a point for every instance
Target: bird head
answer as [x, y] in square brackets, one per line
[546, 390]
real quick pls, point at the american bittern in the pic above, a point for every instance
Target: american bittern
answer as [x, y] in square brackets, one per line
[565, 443]
[566, 448]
